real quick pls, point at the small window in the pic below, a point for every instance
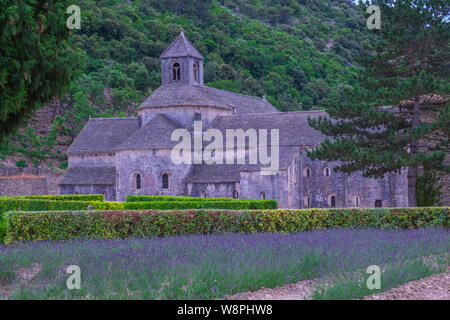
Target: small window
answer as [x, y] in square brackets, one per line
[326, 172]
[203, 194]
[176, 71]
[357, 201]
[307, 201]
[236, 194]
[263, 195]
[137, 181]
[378, 204]
[198, 116]
[165, 181]
[307, 172]
[195, 72]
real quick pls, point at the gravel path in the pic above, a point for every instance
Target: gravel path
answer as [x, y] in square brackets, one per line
[436, 287]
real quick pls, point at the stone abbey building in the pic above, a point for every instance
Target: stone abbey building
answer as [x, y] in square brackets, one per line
[118, 157]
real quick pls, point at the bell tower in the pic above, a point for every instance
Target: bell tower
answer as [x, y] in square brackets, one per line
[181, 63]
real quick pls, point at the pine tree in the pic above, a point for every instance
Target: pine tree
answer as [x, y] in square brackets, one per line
[36, 60]
[411, 61]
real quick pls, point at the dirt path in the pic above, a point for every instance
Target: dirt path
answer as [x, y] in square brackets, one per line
[436, 287]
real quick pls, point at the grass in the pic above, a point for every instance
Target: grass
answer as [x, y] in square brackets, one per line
[212, 266]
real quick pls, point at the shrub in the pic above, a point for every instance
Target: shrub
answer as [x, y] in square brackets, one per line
[62, 225]
[2, 228]
[173, 205]
[21, 204]
[171, 198]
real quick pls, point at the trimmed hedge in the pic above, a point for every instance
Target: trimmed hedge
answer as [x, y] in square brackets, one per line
[180, 205]
[63, 225]
[75, 197]
[172, 198]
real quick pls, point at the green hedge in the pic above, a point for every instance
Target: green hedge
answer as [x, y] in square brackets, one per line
[171, 198]
[61, 225]
[180, 205]
[75, 197]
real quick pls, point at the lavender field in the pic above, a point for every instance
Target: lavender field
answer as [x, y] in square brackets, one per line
[212, 266]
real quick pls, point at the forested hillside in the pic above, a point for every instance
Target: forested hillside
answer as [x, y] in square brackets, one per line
[299, 53]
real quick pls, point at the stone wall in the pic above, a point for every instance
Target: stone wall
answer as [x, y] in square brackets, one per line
[28, 181]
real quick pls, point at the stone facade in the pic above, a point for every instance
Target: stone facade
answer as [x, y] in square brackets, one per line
[132, 156]
[28, 181]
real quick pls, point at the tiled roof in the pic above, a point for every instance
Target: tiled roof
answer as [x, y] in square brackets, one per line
[181, 47]
[103, 135]
[194, 95]
[90, 175]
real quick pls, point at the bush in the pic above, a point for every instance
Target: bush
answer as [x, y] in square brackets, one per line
[173, 205]
[76, 197]
[63, 225]
[21, 204]
[2, 229]
[171, 198]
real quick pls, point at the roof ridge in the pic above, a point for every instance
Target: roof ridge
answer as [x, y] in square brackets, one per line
[115, 118]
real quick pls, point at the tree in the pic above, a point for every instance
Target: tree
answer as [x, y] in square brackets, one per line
[36, 61]
[411, 62]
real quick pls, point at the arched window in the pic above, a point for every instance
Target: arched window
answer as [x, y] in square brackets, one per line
[326, 172]
[307, 201]
[203, 194]
[332, 201]
[236, 194]
[307, 172]
[176, 71]
[137, 184]
[195, 72]
[165, 181]
[263, 195]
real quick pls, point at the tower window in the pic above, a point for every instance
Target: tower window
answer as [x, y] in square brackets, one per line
[196, 72]
[165, 181]
[326, 172]
[176, 71]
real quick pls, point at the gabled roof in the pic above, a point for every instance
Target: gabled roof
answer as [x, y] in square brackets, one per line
[181, 47]
[90, 175]
[202, 96]
[156, 134]
[102, 135]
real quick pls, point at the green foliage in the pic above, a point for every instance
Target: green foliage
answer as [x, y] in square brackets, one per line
[37, 60]
[411, 56]
[63, 225]
[429, 188]
[202, 204]
[3, 228]
[21, 164]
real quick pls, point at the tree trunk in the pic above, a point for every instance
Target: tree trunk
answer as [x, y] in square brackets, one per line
[412, 182]
[412, 170]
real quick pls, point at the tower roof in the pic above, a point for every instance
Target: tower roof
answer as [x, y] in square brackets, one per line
[181, 47]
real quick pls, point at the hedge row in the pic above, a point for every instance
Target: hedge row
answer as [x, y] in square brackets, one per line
[179, 205]
[172, 198]
[75, 197]
[20, 204]
[61, 225]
